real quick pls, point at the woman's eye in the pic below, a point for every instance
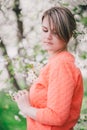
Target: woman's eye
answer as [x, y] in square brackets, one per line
[44, 30]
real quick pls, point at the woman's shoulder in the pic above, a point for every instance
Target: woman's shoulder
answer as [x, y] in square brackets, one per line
[62, 57]
[64, 62]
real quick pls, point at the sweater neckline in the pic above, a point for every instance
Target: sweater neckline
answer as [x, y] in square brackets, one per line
[64, 53]
[58, 53]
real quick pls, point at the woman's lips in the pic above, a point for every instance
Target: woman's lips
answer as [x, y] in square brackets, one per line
[49, 43]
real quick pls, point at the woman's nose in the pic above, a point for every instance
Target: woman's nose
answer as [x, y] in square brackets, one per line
[49, 35]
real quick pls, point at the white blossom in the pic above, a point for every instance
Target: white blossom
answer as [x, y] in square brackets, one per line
[12, 51]
[17, 118]
[7, 3]
[20, 113]
[2, 18]
[84, 14]
[31, 78]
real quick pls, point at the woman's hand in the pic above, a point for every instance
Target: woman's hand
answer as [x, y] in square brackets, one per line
[22, 100]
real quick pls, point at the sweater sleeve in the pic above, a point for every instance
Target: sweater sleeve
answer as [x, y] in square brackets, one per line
[59, 96]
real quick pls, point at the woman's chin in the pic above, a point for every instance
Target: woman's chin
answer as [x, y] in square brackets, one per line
[47, 48]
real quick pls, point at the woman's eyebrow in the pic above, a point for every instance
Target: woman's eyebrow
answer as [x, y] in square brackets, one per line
[53, 29]
[44, 27]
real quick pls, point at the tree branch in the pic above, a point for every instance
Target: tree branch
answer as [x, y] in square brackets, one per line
[9, 67]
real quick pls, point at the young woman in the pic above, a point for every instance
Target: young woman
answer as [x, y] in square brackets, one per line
[55, 99]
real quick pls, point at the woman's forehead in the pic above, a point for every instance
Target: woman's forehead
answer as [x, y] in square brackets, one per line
[47, 22]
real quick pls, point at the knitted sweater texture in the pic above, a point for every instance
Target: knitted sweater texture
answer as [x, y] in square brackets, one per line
[58, 94]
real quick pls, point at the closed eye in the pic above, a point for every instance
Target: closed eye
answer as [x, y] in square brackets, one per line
[44, 30]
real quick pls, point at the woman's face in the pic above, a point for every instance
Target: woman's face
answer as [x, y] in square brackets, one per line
[51, 42]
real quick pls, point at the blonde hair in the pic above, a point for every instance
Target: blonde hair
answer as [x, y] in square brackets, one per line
[63, 21]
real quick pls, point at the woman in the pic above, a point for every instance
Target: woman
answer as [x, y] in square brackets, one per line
[55, 99]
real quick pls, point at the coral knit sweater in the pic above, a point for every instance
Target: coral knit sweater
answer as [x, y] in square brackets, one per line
[58, 94]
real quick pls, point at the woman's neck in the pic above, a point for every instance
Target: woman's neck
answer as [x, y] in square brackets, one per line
[50, 53]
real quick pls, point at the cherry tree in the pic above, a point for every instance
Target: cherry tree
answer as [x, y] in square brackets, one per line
[21, 54]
